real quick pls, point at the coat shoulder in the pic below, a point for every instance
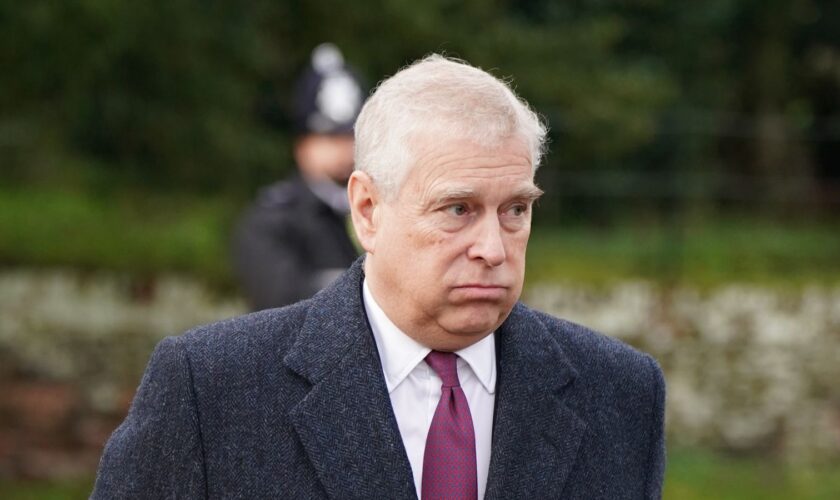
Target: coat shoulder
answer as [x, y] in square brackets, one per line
[619, 392]
[601, 356]
[244, 341]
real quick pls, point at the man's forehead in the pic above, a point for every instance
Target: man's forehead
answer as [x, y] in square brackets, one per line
[435, 138]
[458, 166]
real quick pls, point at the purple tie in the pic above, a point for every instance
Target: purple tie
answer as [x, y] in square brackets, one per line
[449, 460]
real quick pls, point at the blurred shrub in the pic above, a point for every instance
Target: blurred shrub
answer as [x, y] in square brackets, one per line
[707, 254]
[136, 233]
[193, 96]
[148, 234]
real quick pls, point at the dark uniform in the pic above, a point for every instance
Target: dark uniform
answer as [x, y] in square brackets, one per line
[289, 245]
[293, 241]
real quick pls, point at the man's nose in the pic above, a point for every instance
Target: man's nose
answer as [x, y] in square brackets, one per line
[488, 244]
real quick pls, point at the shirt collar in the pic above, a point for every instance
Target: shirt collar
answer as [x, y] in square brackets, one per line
[400, 354]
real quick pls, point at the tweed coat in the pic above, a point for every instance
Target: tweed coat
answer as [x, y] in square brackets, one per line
[292, 403]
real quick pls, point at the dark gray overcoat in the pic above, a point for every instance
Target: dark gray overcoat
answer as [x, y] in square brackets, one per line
[292, 403]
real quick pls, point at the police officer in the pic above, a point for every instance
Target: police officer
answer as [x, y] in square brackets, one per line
[293, 241]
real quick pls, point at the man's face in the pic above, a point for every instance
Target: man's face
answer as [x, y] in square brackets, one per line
[448, 257]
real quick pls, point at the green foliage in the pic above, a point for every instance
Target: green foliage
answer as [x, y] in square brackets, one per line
[154, 93]
[192, 96]
[708, 253]
[150, 234]
[129, 233]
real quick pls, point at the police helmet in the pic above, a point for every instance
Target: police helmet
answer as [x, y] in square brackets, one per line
[328, 96]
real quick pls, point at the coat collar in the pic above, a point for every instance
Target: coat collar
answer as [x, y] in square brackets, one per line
[345, 422]
[535, 435]
[348, 428]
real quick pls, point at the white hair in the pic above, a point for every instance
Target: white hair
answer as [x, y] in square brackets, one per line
[441, 98]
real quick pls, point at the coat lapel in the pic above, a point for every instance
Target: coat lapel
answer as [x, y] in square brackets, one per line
[349, 432]
[345, 422]
[535, 435]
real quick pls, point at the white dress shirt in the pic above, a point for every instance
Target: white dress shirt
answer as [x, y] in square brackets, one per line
[414, 388]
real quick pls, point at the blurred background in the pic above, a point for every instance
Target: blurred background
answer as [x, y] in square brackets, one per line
[692, 202]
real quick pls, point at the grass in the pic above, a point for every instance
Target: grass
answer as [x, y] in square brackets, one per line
[698, 474]
[691, 475]
[133, 233]
[704, 254]
[147, 234]
[46, 490]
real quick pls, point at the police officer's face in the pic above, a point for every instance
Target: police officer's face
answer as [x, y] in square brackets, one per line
[324, 156]
[446, 256]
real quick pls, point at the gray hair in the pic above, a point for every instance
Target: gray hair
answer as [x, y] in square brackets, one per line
[444, 97]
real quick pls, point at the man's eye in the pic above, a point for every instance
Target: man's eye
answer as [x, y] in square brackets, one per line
[458, 209]
[518, 210]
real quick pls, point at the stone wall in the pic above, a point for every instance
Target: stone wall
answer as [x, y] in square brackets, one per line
[72, 348]
[748, 369]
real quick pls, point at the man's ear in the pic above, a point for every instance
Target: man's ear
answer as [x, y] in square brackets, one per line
[364, 201]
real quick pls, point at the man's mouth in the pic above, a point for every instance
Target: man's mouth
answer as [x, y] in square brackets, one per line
[480, 291]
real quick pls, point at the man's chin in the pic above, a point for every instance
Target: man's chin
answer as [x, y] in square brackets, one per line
[477, 319]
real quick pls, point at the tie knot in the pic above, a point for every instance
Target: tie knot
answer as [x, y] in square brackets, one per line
[446, 367]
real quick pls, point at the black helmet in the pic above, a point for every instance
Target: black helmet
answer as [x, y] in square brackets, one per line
[328, 96]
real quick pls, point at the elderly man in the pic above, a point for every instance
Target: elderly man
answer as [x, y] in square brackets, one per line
[417, 373]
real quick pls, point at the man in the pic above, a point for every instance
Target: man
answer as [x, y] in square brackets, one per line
[293, 241]
[417, 373]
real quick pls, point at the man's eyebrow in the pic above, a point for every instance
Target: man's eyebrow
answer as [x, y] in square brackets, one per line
[529, 193]
[455, 193]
